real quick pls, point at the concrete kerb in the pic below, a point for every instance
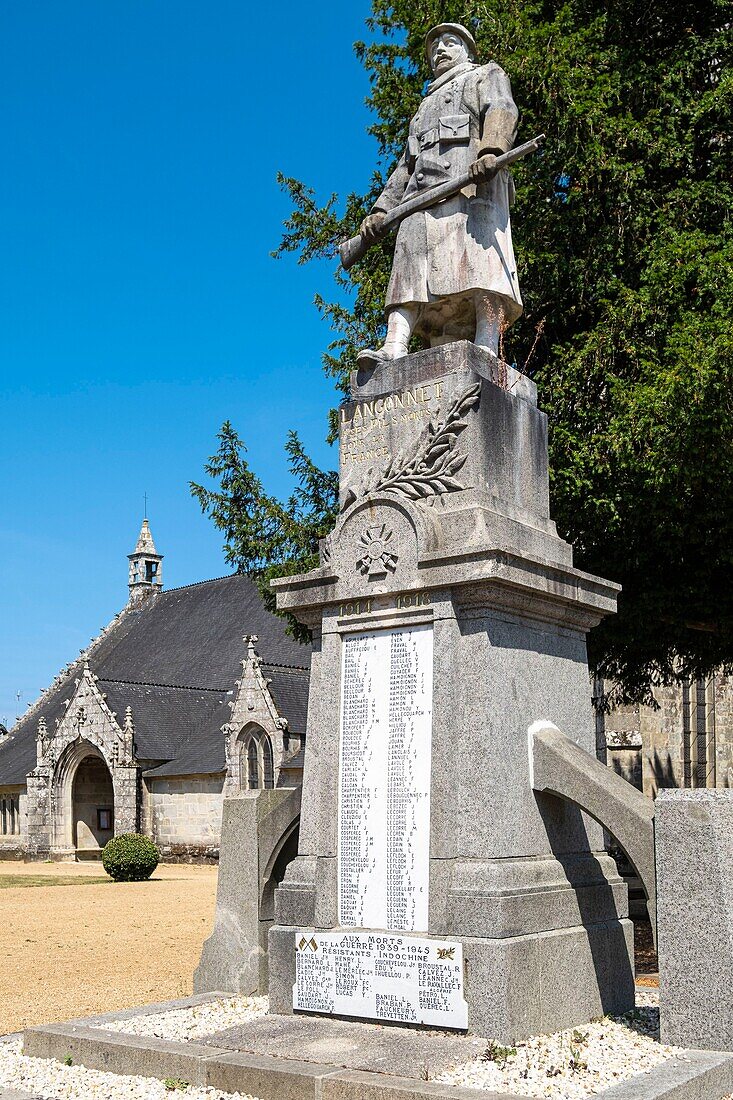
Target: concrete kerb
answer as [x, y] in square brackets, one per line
[700, 1075]
[150, 1010]
[113, 1052]
[263, 1076]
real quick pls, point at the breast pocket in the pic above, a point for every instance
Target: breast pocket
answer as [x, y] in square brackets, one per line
[455, 129]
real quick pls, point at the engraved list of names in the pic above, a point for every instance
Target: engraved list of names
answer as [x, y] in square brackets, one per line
[384, 779]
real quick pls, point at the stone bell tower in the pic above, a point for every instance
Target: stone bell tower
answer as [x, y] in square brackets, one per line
[146, 571]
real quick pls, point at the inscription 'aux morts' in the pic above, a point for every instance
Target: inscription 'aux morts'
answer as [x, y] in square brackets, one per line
[380, 977]
[384, 779]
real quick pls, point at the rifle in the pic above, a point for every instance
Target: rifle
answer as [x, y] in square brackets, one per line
[352, 250]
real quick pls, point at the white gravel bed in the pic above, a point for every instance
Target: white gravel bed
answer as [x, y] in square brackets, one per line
[572, 1064]
[55, 1081]
[197, 1022]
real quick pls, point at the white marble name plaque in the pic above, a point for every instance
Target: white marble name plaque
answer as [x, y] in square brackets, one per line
[380, 976]
[384, 779]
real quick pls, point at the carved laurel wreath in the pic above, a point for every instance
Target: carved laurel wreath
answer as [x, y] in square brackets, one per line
[431, 465]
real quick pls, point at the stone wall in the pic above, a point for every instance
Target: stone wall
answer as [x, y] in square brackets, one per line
[685, 742]
[185, 814]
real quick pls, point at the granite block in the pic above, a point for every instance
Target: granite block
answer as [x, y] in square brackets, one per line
[352, 1085]
[281, 940]
[234, 957]
[697, 1076]
[694, 836]
[537, 984]
[472, 551]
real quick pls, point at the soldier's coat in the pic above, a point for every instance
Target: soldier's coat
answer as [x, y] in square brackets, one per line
[445, 254]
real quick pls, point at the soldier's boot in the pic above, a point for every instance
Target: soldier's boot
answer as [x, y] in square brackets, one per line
[400, 323]
[489, 321]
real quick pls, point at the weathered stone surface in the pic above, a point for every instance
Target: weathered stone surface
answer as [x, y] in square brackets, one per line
[88, 728]
[454, 271]
[269, 1062]
[267, 1077]
[694, 837]
[434, 363]
[353, 1085]
[255, 716]
[518, 876]
[186, 810]
[565, 769]
[359, 1046]
[455, 395]
[258, 823]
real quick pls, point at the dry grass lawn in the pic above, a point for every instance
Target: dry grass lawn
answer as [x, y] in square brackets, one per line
[72, 945]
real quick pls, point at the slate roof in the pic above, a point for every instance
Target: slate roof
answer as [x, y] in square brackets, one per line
[175, 660]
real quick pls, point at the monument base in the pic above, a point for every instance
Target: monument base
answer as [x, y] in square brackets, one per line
[448, 619]
[520, 986]
[516, 986]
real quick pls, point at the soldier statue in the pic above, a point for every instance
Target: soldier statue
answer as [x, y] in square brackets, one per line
[453, 275]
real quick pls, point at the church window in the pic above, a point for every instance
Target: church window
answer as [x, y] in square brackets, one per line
[268, 770]
[10, 815]
[260, 761]
[698, 733]
[252, 765]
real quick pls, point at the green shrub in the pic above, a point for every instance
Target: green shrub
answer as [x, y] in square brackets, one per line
[130, 857]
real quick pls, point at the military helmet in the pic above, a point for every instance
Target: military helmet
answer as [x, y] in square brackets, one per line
[452, 28]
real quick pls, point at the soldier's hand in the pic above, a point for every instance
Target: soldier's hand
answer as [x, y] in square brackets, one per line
[483, 169]
[372, 226]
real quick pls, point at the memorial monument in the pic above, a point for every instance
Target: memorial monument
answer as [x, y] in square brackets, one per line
[432, 885]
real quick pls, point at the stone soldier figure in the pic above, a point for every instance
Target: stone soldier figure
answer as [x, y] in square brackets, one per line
[453, 275]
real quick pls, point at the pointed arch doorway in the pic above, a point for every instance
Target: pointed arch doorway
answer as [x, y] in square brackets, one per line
[93, 807]
[87, 801]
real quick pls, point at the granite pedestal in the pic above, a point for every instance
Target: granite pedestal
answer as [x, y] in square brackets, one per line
[445, 526]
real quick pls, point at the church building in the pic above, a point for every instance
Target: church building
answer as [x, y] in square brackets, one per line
[188, 695]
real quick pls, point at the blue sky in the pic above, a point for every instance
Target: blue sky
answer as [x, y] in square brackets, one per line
[139, 305]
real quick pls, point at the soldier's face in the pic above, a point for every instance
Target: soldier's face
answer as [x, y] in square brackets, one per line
[446, 51]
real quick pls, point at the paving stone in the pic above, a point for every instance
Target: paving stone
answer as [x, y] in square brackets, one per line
[342, 1043]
